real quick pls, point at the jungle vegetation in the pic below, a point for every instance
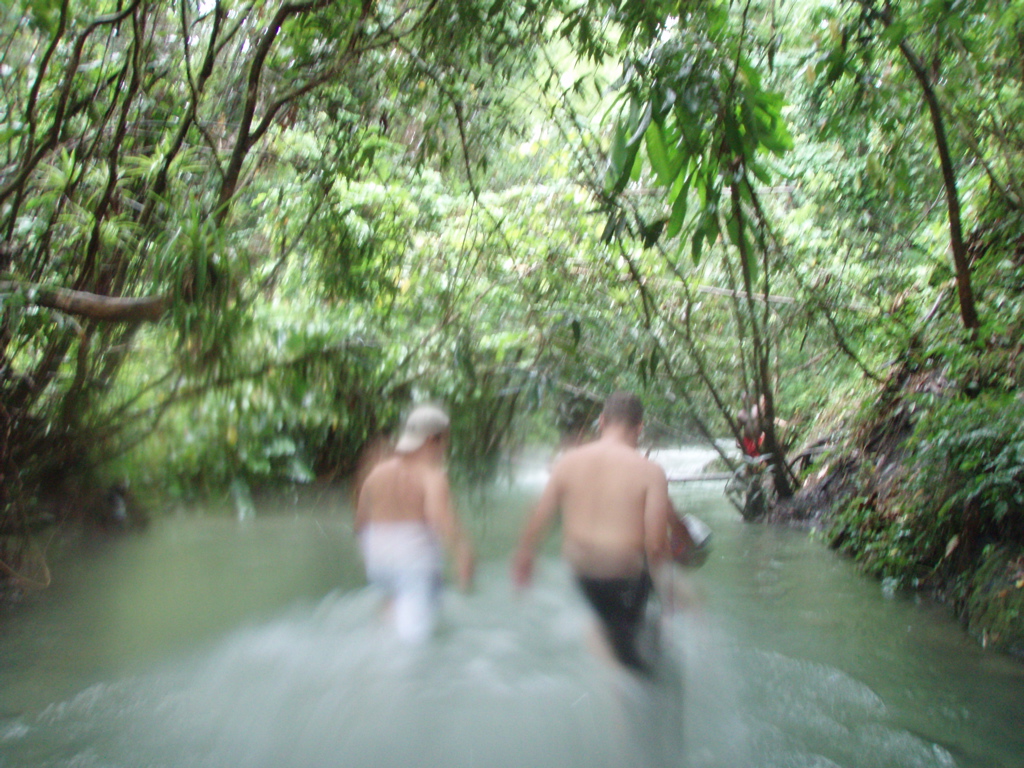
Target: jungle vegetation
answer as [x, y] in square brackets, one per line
[239, 237]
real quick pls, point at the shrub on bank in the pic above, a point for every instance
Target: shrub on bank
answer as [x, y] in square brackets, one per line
[943, 509]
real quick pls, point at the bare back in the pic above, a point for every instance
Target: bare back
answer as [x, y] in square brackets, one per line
[402, 489]
[614, 504]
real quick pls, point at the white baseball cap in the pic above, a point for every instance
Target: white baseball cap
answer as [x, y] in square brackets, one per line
[424, 422]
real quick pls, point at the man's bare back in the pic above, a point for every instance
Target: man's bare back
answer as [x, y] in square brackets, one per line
[403, 516]
[614, 505]
[609, 496]
[405, 489]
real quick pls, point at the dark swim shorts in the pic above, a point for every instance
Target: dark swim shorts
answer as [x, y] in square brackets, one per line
[621, 604]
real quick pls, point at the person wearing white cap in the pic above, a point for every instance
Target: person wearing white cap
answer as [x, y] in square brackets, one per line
[404, 517]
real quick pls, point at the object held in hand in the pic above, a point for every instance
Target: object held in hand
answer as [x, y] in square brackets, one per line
[690, 541]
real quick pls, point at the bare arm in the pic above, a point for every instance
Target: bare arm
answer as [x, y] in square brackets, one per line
[657, 508]
[363, 505]
[441, 517]
[536, 527]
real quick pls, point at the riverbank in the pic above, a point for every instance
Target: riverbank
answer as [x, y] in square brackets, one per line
[924, 488]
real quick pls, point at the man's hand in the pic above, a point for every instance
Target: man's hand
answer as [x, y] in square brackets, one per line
[681, 543]
[536, 526]
[522, 568]
[465, 567]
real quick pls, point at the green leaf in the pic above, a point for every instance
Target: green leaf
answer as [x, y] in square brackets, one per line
[45, 14]
[678, 215]
[761, 173]
[611, 227]
[641, 127]
[732, 228]
[616, 159]
[626, 141]
[650, 233]
[733, 137]
[11, 131]
[697, 246]
[778, 141]
[895, 32]
[657, 153]
[836, 63]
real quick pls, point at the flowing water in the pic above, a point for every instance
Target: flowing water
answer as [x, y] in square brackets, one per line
[215, 642]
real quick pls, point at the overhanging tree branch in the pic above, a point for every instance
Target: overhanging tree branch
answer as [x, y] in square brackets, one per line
[245, 138]
[117, 309]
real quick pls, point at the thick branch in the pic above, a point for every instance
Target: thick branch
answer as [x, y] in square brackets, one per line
[113, 309]
[244, 139]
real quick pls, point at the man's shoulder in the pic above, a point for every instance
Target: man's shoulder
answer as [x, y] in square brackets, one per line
[601, 451]
[654, 467]
[639, 463]
[397, 469]
[581, 454]
[435, 473]
[387, 468]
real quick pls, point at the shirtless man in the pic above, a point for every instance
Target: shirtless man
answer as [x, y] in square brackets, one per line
[615, 516]
[403, 516]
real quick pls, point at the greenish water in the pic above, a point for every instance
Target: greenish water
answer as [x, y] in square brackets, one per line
[212, 641]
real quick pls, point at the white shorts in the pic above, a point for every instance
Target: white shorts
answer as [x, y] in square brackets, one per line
[404, 560]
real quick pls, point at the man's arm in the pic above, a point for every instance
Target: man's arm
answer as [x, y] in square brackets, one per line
[442, 518]
[536, 527]
[363, 505]
[657, 508]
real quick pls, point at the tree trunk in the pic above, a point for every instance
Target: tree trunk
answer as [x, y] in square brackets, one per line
[961, 265]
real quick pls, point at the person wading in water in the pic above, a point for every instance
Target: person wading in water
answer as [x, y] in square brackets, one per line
[615, 517]
[403, 517]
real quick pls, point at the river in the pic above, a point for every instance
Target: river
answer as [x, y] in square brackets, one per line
[212, 641]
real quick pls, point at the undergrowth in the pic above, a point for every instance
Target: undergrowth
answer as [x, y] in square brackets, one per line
[939, 501]
[934, 499]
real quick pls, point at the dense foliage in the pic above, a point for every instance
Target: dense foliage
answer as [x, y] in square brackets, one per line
[238, 239]
[165, 162]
